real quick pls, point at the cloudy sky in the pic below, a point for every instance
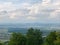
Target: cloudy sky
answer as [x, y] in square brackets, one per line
[28, 11]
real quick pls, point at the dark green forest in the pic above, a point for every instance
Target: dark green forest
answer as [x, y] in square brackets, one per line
[34, 37]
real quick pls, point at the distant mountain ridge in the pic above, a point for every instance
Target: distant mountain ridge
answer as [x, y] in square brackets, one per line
[29, 25]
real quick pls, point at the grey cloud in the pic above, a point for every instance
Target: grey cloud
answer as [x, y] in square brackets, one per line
[3, 12]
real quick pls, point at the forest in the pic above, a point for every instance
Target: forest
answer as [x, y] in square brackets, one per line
[34, 37]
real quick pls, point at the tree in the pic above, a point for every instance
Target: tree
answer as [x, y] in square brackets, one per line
[34, 37]
[17, 39]
[57, 41]
[51, 38]
[38, 40]
[1, 44]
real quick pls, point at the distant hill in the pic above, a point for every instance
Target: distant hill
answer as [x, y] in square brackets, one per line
[34, 25]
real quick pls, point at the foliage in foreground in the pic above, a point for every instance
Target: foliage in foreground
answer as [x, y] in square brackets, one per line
[34, 37]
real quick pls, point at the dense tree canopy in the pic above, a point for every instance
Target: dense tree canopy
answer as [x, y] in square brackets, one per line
[34, 37]
[51, 38]
[17, 39]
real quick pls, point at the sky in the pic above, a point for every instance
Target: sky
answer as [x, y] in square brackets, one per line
[29, 11]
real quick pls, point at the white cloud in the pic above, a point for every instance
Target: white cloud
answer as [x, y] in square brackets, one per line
[31, 18]
[55, 14]
[47, 10]
[46, 1]
[12, 16]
